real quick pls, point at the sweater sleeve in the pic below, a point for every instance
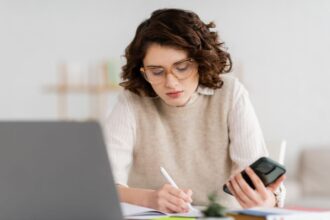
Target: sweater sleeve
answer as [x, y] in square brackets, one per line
[246, 139]
[120, 135]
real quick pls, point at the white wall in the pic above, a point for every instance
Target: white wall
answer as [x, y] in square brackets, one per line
[280, 47]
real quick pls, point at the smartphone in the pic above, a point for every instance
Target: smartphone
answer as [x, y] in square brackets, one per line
[267, 169]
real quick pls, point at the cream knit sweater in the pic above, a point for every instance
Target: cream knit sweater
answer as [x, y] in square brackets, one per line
[201, 144]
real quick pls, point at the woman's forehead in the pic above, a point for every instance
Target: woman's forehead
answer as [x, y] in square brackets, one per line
[159, 55]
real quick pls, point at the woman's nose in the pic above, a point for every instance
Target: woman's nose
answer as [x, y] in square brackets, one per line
[171, 81]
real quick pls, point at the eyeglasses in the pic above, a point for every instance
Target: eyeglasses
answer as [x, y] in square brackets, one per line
[181, 70]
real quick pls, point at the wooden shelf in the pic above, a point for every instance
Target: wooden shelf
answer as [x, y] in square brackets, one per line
[81, 88]
[94, 82]
[95, 92]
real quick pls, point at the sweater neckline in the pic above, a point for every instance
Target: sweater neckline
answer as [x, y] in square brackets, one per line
[177, 109]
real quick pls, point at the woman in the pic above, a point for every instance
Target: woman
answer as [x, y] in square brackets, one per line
[181, 112]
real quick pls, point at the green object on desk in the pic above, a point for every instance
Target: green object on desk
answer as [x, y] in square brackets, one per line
[214, 209]
[174, 218]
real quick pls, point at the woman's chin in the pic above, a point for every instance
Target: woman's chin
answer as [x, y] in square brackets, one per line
[176, 102]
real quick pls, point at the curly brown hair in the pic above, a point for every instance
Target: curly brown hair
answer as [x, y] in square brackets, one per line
[179, 29]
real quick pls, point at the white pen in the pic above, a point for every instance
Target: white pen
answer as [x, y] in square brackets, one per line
[171, 181]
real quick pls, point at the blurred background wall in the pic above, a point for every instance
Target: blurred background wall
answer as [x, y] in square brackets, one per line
[280, 49]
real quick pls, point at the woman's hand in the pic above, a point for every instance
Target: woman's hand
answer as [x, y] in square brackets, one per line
[248, 197]
[170, 199]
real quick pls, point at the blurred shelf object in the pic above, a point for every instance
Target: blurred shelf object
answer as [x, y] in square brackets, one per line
[93, 81]
[80, 88]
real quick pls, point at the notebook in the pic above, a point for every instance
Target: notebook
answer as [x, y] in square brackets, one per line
[138, 212]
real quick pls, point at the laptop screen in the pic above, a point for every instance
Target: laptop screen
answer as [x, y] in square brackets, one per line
[55, 170]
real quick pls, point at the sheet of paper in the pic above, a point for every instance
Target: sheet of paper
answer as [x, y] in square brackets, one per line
[134, 211]
[130, 210]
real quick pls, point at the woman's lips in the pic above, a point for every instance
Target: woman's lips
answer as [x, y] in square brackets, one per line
[174, 94]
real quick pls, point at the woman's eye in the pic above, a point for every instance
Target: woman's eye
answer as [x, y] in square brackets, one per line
[157, 72]
[182, 67]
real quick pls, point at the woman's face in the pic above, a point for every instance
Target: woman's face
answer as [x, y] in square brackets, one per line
[179, 78]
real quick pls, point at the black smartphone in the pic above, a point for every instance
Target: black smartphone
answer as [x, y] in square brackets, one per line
[267, 169]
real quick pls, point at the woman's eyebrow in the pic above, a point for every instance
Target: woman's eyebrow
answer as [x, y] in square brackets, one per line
[154, 66]
[180, 61]
[159, 66]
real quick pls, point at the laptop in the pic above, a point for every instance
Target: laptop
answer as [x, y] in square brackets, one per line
[55, 171]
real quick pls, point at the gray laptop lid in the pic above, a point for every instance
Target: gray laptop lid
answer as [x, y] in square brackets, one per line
[55, 171]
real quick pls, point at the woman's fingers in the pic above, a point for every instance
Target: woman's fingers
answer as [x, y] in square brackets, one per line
[249, 197]
[179, 194]
[243, 192]
[273, 187]
[167, 206]
[258, 184]
[171, 199]
[239, 192]
[230, 186]
[177, 201]
[252, 195]
[189, 193]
